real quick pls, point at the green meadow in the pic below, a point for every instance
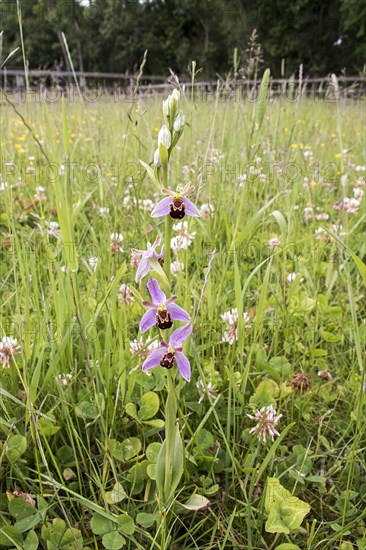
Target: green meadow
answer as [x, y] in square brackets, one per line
[273, 276]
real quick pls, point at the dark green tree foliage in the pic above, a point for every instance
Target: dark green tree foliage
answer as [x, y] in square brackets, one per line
[111, 35]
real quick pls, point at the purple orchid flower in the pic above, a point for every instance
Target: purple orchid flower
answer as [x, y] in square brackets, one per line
[161, 312]
[176, 204]
[147, 258]
[170, 354]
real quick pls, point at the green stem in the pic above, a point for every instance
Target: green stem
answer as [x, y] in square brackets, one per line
[167, 255]
[170, 419]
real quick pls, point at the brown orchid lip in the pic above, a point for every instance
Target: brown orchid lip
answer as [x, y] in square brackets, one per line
[163, 319]
[168, 360]
[177, 208]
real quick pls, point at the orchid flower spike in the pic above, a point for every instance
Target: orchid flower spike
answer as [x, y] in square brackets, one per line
[161, 312]
[148, 258]
[170, 354]
[176, 204]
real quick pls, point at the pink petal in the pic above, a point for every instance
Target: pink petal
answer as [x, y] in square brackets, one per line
[170, 192]
[148, 304]
[178, 313]
[142, 270]
[171, 300]
[157, 295]
[148, 320]
[183, 366]
[180, 335]
[162, 208]
[191, 209]
[153, 360]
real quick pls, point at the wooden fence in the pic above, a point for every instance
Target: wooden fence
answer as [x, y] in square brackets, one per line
[48, 82]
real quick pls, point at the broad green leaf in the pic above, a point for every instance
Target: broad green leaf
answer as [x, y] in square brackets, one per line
[285, 511]
[155, 423]
[118, 493]
[31, 541]
[113, 541]
[146, 520]
[131, 410]
[330, 337]
[150, 173]
[164, 159]
[152, 451]
[359, 263]
[126, 524]
[204, 439]
[126, 449]
[138, 472]
[116, 449]
[149, 406]
[195, 503]
[87, 410]
[28, 522]
[20, 509]
[15, 448]
[47, 426]
[72, 539]
[131, 447]
[101, 525]
[288, 546]
[10, 536]
[166, 494]
[265, 394]
[261, 109]
[151, 471]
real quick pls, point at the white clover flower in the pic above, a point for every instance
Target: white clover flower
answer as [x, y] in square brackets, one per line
[267, 420]
[141, 348]
[242, 179]
[176, 267]
[292, 277]
[53, 228]
[146, 204]
[322, 235]
[115, 246]
[116, 237]
[351, 206]
[64, 379]
[103, 210]
[231, 319]
[184, 238]
[93, 261]
[8, 348]
[358, 193]
[180, 242]
[308, 213]
[40, 194]
[125, 295]
[206, 210]
[322, 217]
[208, 390]
[274, 242]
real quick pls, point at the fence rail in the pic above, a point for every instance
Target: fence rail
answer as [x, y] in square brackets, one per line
[13, 80]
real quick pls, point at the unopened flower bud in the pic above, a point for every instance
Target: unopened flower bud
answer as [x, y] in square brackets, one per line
[166, 108]
[178, 122]
[173, 100]
[165, 137]
[157, 163]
